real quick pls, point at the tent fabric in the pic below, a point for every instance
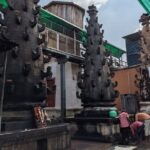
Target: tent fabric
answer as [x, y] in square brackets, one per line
[4, 3]
[50, 16]
[115, 51]
[146, 5]
[58, 23]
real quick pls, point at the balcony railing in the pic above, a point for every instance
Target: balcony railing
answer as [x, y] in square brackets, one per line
[61, 42]
[59, 28]
[64, 43]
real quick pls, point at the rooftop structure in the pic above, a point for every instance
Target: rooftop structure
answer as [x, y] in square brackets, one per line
[63, 3]
[133, 48]
[69, 11]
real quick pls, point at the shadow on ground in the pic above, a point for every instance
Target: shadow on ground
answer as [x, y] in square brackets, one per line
[88, 145]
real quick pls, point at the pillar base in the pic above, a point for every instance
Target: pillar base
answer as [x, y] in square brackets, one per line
[91, 126]
[17, 120]
[145, 106]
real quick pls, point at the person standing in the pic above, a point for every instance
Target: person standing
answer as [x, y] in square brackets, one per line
[142, 116]
[124, 127]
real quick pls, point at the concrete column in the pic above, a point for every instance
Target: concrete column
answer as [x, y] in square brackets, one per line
[75, 46]
[62, 62]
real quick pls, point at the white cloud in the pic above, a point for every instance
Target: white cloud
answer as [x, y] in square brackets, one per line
[139, 28]
[86, 3]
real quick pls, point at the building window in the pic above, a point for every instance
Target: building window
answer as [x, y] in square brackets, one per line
[52, 39]
[75, 70]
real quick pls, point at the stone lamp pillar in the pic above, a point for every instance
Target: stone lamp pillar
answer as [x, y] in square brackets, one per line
[25, 86]
[143, 76]
[97, 90]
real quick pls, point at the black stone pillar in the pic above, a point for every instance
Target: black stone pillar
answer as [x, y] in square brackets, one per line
[25, 86]
[97, 92]
[62, 62]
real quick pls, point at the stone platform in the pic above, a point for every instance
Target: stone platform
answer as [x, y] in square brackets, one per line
[95, 129]
[55, 137]
[88, 145]
[145, 106]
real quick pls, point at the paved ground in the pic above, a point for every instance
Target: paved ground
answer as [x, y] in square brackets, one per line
[87, 145]
[144, 145]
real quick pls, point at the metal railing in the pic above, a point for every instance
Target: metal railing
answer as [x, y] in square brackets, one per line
[118, 63]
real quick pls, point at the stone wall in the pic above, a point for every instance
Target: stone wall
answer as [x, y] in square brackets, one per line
[72, 102]
[52, 138]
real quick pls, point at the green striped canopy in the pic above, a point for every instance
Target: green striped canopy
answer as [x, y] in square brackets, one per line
[115, 51]
[146, 5]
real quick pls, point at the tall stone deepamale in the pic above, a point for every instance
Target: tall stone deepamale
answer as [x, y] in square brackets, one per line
[97, 92]
[145, 39]
[94, 80]
[25, 86]
[25, 62]
[143, 78]
[143, 72]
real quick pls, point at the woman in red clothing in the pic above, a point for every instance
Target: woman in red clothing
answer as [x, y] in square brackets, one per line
[137, 129]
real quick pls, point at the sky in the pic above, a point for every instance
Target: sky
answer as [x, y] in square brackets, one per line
[119, 17]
